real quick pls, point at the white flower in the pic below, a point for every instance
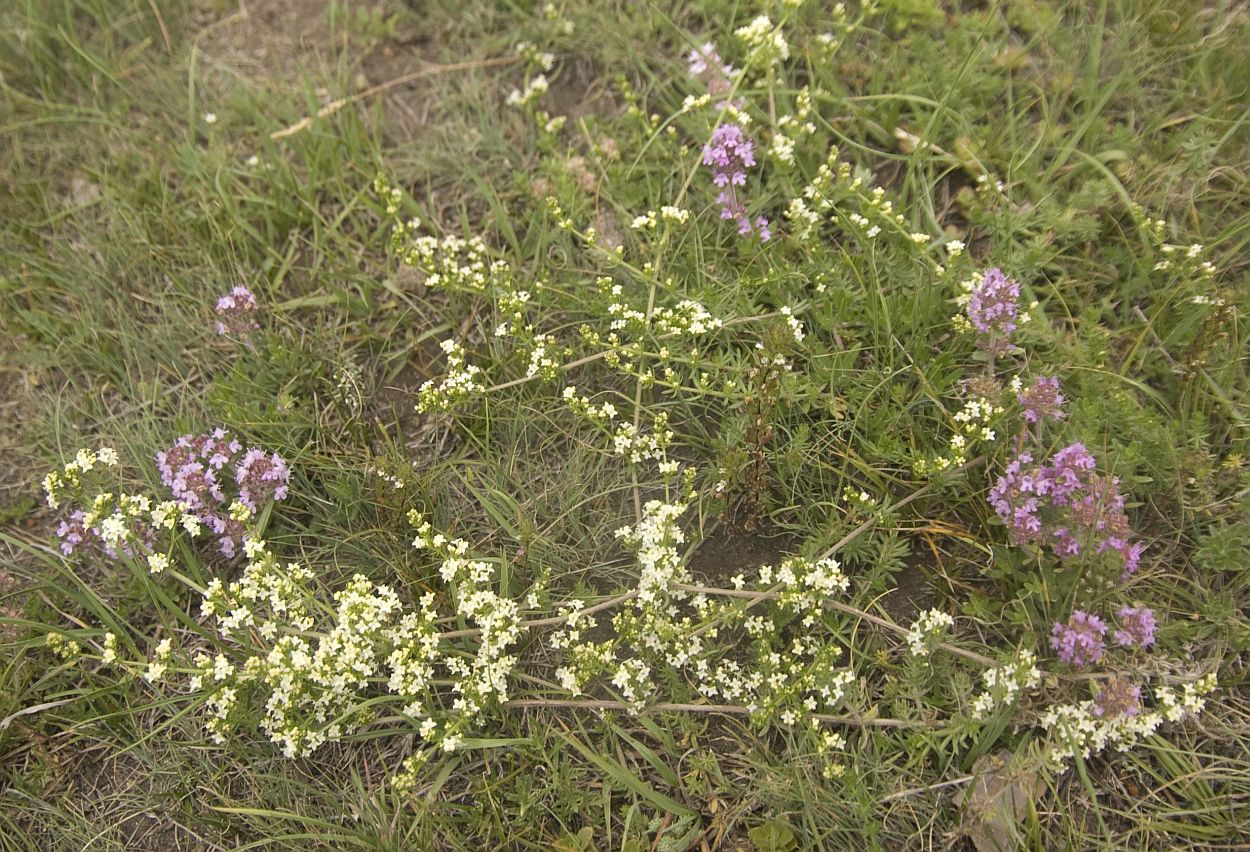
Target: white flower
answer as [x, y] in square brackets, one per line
[109, 654]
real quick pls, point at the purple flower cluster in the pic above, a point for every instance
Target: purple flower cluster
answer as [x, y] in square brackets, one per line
[1080, 641]
[76, 535]
[707, 67]
[993, 308]
[261, 477]
[195, 471]
[1042, 400]
[1137, 627]
[730, 154]
[73, 533]
[236, 313]
[1118, 697]
[1064, 504]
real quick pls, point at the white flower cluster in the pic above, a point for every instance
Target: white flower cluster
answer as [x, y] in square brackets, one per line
[222, 698]
[265, 595]
[582, 406]
[927, 631]
[1004, 684]
[461, 381]
[790, 127]
[880, 210]
[452, 263]
[785, 687]
[766, 46]
[687, 318]
[861, 499]
[633, 679]
[159, 664]
[63, 646]
[318, 686]
[828, 40]
[54, 484]
[484, 676]
[1187, 253]
[535, 87]
[655, 539]
[668, 213]
[638, 446]
[806, 584]
[1082, 729]
[542, 360]
[1214, 301]
[796, 327]
[511, 307]
[532, 53]
[108, 654]
[973, 427]
[389, 195]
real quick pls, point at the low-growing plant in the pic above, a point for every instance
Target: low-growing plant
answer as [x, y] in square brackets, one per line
[723, 323]
[643, 360]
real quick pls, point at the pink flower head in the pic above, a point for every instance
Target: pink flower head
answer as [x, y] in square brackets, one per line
[1015, 498]
[1041, 400]
[1080, 641]
[196, 487]
[707, 67]
[1137, 627]
[72, 533]
[229, 533]
[1065, 504]
[729, 154]
[170, 461]
[993, 308]
[1066, 474]
[236, 313]
[705, 62]
[218, 448]
[261, 477]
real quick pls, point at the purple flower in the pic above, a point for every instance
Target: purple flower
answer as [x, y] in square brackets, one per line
[1137, 627]
[236, 313]
[1118, 697]
[72, 533]
[1015, 500]
[218, 448]
[707, 67]
[1080, 641]
[192, 470]
[1042, 399]
[705, 61]
[229, 533]
[1065, 504]
[196, 487]
[1066, 473]
[172, 460]
[261, 477]
[993, 308]
[729, 154]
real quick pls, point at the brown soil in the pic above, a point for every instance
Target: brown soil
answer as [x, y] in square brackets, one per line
[281, 45]
[725, 555]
